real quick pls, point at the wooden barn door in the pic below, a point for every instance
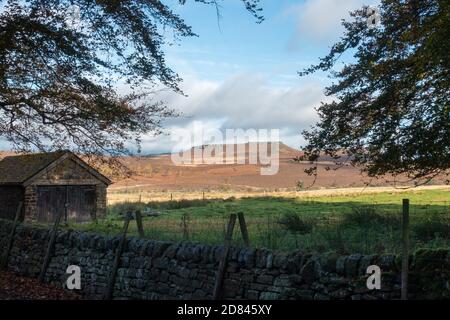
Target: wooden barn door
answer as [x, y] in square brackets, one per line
[10, 197]
[52, 200]
[81, 203]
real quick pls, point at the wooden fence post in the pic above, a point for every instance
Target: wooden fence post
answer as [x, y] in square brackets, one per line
[184, 223]
[51, 246]
[139, 224]
[244, 231]
[4, 262]
[405, 249]
[112, 280]
[223, 262]
[66, 205]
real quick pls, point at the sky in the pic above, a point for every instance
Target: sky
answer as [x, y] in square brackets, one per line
[238, 74]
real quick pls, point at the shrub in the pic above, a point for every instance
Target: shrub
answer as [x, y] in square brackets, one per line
[335, 239]
[431, 229]
[300, 185]
[296, 224]
[178, 204]
[116, 211]
[367, 216]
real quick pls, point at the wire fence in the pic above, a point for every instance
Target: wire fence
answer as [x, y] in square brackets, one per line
[277, 224]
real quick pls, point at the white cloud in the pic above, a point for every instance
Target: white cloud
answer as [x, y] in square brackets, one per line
[320, 20]
[243, 101]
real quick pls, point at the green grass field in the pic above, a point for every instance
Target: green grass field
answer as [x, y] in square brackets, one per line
[366, 223]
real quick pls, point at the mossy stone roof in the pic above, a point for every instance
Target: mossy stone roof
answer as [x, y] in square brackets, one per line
[18, 169]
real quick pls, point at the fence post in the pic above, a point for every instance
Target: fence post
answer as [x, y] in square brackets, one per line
[184, 223]
[4, 262]
[244, 231]
[51, 245]
[405, 249]
[66, 205]
[223, 262]
[139, 224]
[112, 280]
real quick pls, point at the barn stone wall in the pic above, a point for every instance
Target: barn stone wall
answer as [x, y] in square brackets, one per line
[100, 193]
[68, 172]
[30, 203]
[163, 270]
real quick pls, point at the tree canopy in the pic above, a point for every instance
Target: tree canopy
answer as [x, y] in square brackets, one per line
[390, 112]
[81, 74]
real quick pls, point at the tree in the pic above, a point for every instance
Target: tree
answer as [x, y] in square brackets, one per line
[81, 74]
[391, 109]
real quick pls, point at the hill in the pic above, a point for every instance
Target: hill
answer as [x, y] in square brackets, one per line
[158, 172]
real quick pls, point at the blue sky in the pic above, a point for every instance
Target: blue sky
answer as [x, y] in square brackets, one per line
[240, 74]
[235, 43]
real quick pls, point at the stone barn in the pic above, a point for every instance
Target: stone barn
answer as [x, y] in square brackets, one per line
[48, 184]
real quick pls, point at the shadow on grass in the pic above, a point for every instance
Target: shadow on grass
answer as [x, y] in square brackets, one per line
[287, 224]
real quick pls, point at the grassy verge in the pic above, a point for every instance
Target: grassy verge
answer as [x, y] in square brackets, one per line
[367, 223]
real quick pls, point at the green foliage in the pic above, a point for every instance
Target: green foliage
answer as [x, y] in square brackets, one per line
[430, 229]
[120, 208]
[295, 223]
[177, 204]
[60, 73]
[367, 216]
[368, 223]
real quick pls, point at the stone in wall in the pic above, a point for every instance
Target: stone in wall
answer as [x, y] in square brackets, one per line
[163, 270]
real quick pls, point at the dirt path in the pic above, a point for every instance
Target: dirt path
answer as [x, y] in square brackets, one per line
[13, 287]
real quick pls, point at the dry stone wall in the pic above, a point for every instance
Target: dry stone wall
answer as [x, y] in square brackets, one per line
[164, 270]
